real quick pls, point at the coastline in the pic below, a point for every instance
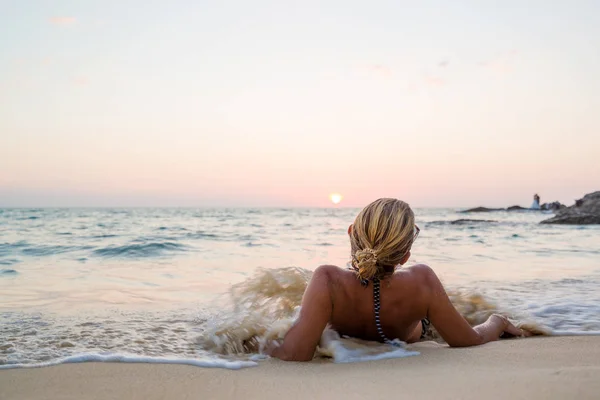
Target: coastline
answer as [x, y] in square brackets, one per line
[544, 368]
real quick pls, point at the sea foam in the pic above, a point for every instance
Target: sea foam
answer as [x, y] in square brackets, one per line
[124, 358]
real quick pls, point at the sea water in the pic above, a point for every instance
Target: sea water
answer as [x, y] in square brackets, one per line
[208, 287]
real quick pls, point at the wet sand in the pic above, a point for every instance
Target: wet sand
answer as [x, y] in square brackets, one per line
[536, 368]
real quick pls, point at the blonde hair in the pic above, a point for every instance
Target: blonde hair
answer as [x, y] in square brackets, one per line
[381, 236]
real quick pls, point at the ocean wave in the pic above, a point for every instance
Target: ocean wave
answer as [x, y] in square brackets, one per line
[261, 308]
[203, 235]
[105, 236]
[31, 217]
[9, 246]
[6, 271]
[247, 238]
[140, 250]
[42, 250]
[127, 358]
[119, 212]
[266, 305]
[463, 221]
[570, 281]
[9, 261]
[5, 249]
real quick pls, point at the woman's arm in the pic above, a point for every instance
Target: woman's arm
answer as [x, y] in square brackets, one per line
[302, 339]
[453, 327]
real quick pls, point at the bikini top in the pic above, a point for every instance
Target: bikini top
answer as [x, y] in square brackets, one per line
[377, 307]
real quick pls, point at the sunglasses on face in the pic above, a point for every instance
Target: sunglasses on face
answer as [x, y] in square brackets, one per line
[416, 234]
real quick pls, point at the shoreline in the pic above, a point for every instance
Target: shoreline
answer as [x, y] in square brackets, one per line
[542, 367]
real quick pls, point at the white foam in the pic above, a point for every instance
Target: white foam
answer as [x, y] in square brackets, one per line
[344, 355]
[349, 350]
[123, 358]
[259, 357]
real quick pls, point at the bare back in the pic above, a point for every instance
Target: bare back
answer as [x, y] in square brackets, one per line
[403, 298]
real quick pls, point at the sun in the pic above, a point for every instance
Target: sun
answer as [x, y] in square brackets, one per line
[335, 198]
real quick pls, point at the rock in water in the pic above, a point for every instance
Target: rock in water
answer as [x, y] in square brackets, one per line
[516, 208]
[464, 221]
[554, 206]
[482, 209]
[586, 211]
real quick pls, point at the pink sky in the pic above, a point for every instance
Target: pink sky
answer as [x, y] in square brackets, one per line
[273, 106]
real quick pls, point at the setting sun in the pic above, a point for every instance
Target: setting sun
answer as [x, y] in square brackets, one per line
[335, 198]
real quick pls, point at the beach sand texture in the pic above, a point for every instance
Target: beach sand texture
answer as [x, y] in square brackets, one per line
[535, 368]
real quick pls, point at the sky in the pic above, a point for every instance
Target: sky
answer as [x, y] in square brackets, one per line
[280, 103]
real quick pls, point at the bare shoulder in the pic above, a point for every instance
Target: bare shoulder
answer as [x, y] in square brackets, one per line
[421, 275]
[333, 275]
[420, 271]
[327, 271]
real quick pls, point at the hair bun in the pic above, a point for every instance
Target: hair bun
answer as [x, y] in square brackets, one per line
[365, 261]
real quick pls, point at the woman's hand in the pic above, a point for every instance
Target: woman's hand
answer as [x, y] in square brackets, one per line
[271, 347]
[509, 330]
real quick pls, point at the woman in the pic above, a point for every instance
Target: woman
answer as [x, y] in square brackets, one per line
[373, 301]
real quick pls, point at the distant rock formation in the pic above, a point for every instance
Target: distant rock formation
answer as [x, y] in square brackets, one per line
[586, 211]
[471, 221]
[544, 207]
[482, 209]
[517, 208]
[463, 221]
[554, 206]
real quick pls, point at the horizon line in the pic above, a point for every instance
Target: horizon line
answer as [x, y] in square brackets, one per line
[204, 207]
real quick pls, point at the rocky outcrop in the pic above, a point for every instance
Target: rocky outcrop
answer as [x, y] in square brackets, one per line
[544, 207]
[586, 211]
[516, 208]
[471, 221]
[555, 206]
[482, 209]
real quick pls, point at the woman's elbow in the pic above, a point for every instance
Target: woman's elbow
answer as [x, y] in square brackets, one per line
[475, 340]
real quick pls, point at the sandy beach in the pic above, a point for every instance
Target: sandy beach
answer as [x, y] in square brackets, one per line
[537, 368]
